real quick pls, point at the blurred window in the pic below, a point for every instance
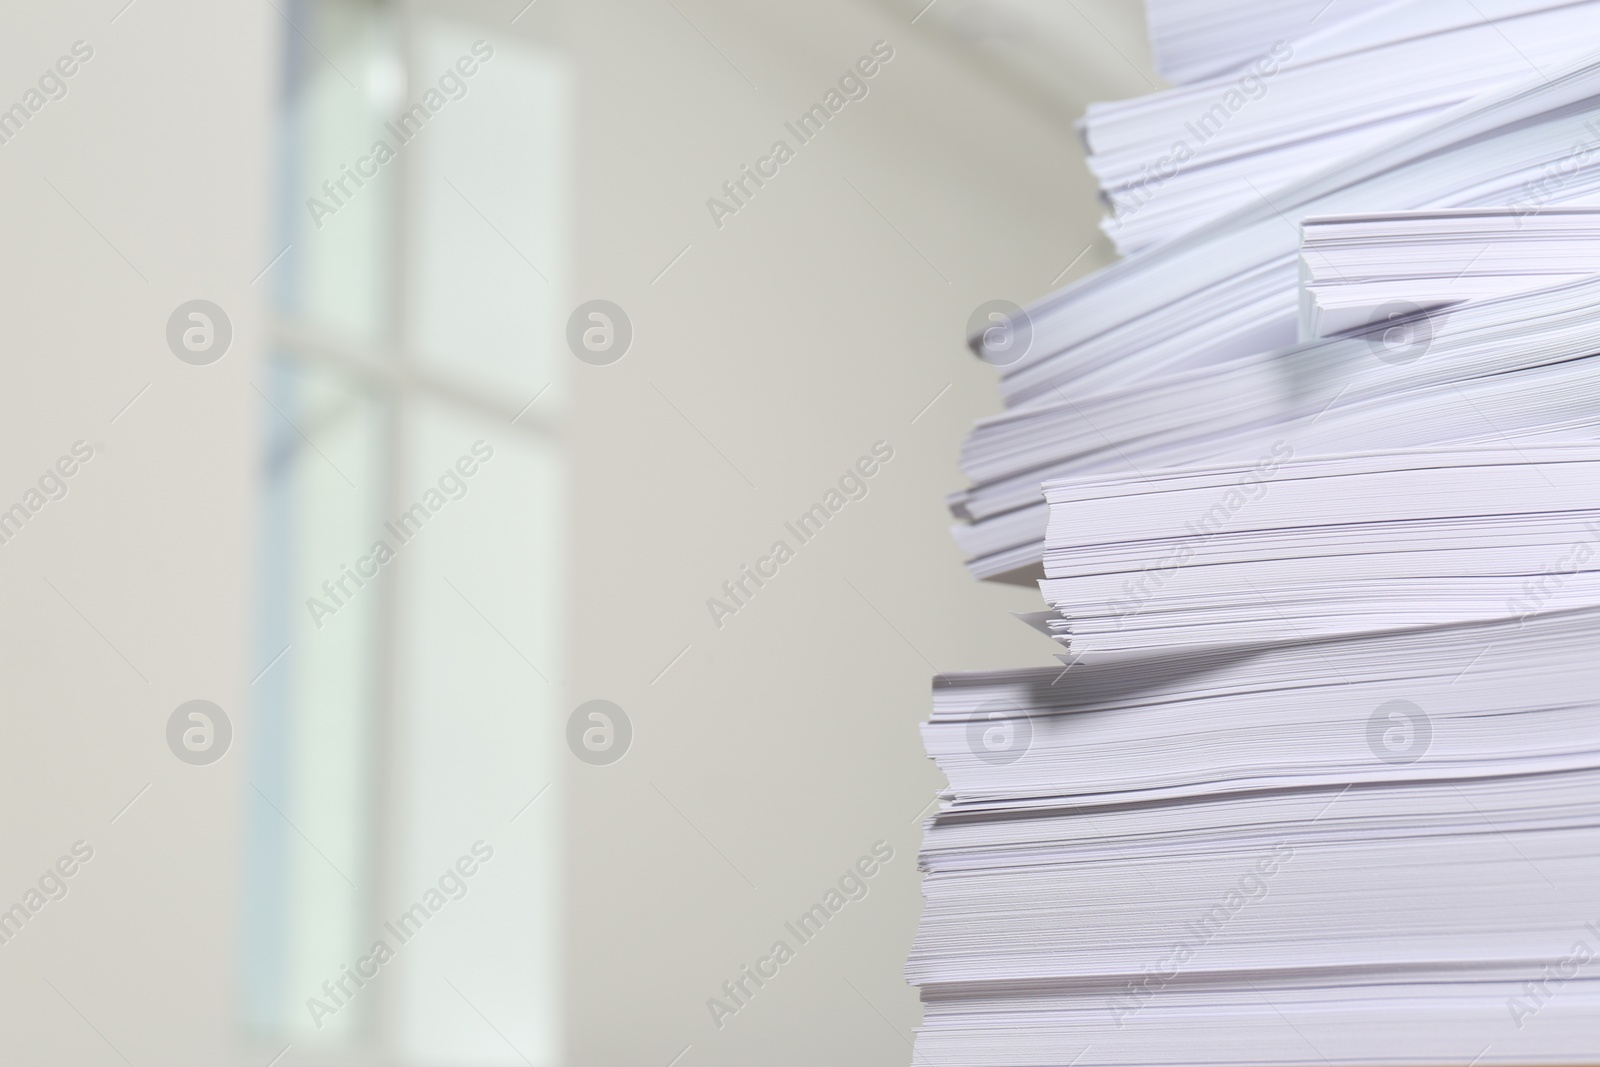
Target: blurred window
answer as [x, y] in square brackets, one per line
[410, 550]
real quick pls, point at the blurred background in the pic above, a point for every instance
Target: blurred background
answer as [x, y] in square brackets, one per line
[264, 346]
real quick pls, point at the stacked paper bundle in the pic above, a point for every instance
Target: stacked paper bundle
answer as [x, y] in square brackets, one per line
[1525, 365]
[1328, 546]
[1379, 849]
[1362, 269]
[1312, 494]
[1194, 39]
[1231, 289]
[1170, 161]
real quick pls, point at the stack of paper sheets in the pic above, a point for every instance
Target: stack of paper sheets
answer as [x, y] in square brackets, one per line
[1524, 367]
[1376, 849]
[1170, 161]
[1315, 775]
[1291, 549]
[1232, 289]
[1194, 39]
[1360, 270]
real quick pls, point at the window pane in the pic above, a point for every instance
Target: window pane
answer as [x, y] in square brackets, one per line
[486, 196]
[338, 225]
[310, 801]
[480, 720]
[411, 552]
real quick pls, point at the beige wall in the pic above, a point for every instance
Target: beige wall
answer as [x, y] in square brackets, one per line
[159, 148]
[805, 329]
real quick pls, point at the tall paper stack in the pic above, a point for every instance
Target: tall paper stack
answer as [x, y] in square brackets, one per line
[1311, 489]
